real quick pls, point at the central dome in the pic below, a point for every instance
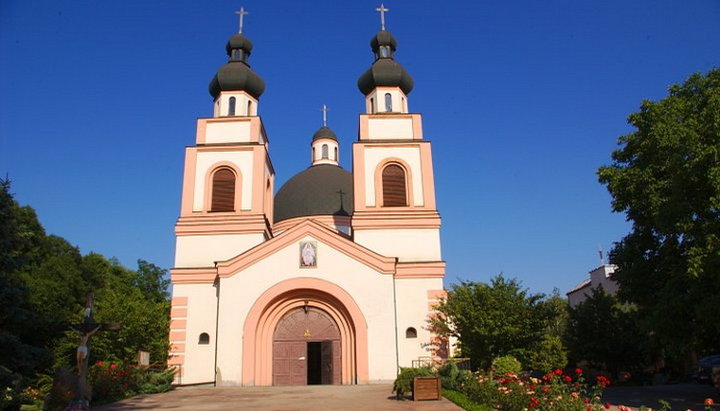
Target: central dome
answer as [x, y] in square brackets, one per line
[315, 191]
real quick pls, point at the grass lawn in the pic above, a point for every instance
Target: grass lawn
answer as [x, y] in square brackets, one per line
[464, 402]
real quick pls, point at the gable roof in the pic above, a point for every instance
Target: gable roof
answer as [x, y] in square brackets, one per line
[309, 227]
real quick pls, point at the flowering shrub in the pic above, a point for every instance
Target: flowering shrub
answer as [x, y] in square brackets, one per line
[555, 391]
[114, 381]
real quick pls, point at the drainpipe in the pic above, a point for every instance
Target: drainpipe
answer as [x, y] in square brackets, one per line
[217, 320]
[397, 346]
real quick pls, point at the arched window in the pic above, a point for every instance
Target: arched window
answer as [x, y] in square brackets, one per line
[223, 190]
[393, 186]
[388, 102]
[204, 339]
[231, 106]
[384, 52]
[324, 151]
[411, 333]
[335, 158]
[249, 108]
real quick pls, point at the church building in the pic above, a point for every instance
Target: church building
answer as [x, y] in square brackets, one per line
[328, 281]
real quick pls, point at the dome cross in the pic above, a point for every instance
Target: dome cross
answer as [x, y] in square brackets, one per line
[242, 14]
[324, 109]
[382, 11]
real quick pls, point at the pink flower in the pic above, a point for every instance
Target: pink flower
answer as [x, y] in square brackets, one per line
[709, 401]
[113, 366]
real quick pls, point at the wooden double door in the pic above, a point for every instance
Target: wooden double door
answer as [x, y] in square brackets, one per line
[306, 349]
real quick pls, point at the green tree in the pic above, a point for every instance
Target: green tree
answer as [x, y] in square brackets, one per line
[498, 319]
[23, 349]
[606, 334]
[666, 178]
[44, 281]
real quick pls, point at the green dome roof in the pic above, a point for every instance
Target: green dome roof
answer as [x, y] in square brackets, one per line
[315, 192]
[324, 132]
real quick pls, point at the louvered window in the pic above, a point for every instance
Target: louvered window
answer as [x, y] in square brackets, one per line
[388, 102]
[223, 191]
[393, 186]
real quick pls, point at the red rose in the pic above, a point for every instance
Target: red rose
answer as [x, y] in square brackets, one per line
[113, 366]
[100, 363]
[558, 372]
[567, 378]
[607, 405]
[586, 400]
[578, 371]
[709, 401]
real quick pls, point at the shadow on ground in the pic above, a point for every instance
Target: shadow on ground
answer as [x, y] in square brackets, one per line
[680, 396]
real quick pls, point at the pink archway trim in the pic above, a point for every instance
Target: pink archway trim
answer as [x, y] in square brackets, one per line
[269, 309]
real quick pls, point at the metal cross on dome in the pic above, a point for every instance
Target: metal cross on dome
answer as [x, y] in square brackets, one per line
[324, 109]
[242, 14]
[382, 11]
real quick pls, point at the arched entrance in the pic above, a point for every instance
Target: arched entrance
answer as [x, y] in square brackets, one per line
[283, 305]
[306, 348]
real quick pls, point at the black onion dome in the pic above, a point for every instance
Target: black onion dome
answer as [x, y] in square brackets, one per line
[238, 41]
[385, 71]
[315, 192]
[236, 75]
[383, 38]
[324, 132]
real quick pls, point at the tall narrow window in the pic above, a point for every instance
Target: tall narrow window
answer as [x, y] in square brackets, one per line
[249, 110]
[223, 190]
[393, 186]
[324, 151]
[231, 106]
[404, 106]
[313, 154]
[388, 102]
[335, 158]
[372, 105]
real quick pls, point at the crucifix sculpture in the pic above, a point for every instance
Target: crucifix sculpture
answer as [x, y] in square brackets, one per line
[86, 330]
[382, 11]
[242, 14]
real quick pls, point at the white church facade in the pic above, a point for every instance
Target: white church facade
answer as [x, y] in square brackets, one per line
[332, 279]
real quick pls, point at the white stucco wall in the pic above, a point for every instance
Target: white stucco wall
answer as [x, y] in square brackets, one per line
[205, 160]
[371, 291]
[405, 244]
[390, 128]
[201, 308]
[227, 132]
[204, 250]
[413, 310]
[410, 155]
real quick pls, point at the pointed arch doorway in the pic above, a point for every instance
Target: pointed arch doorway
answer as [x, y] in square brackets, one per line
[306, 348]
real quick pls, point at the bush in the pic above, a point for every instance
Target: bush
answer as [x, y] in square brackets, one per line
[404, 380]
[115, 381]
[506, 364]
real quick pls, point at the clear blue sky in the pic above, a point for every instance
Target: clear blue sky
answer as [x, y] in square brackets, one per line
[523, 101]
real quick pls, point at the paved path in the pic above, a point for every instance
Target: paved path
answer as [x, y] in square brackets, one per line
[373, 397]
[680, 396]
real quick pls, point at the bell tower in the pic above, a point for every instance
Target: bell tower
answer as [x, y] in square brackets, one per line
[227, 194]
[394, 189]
